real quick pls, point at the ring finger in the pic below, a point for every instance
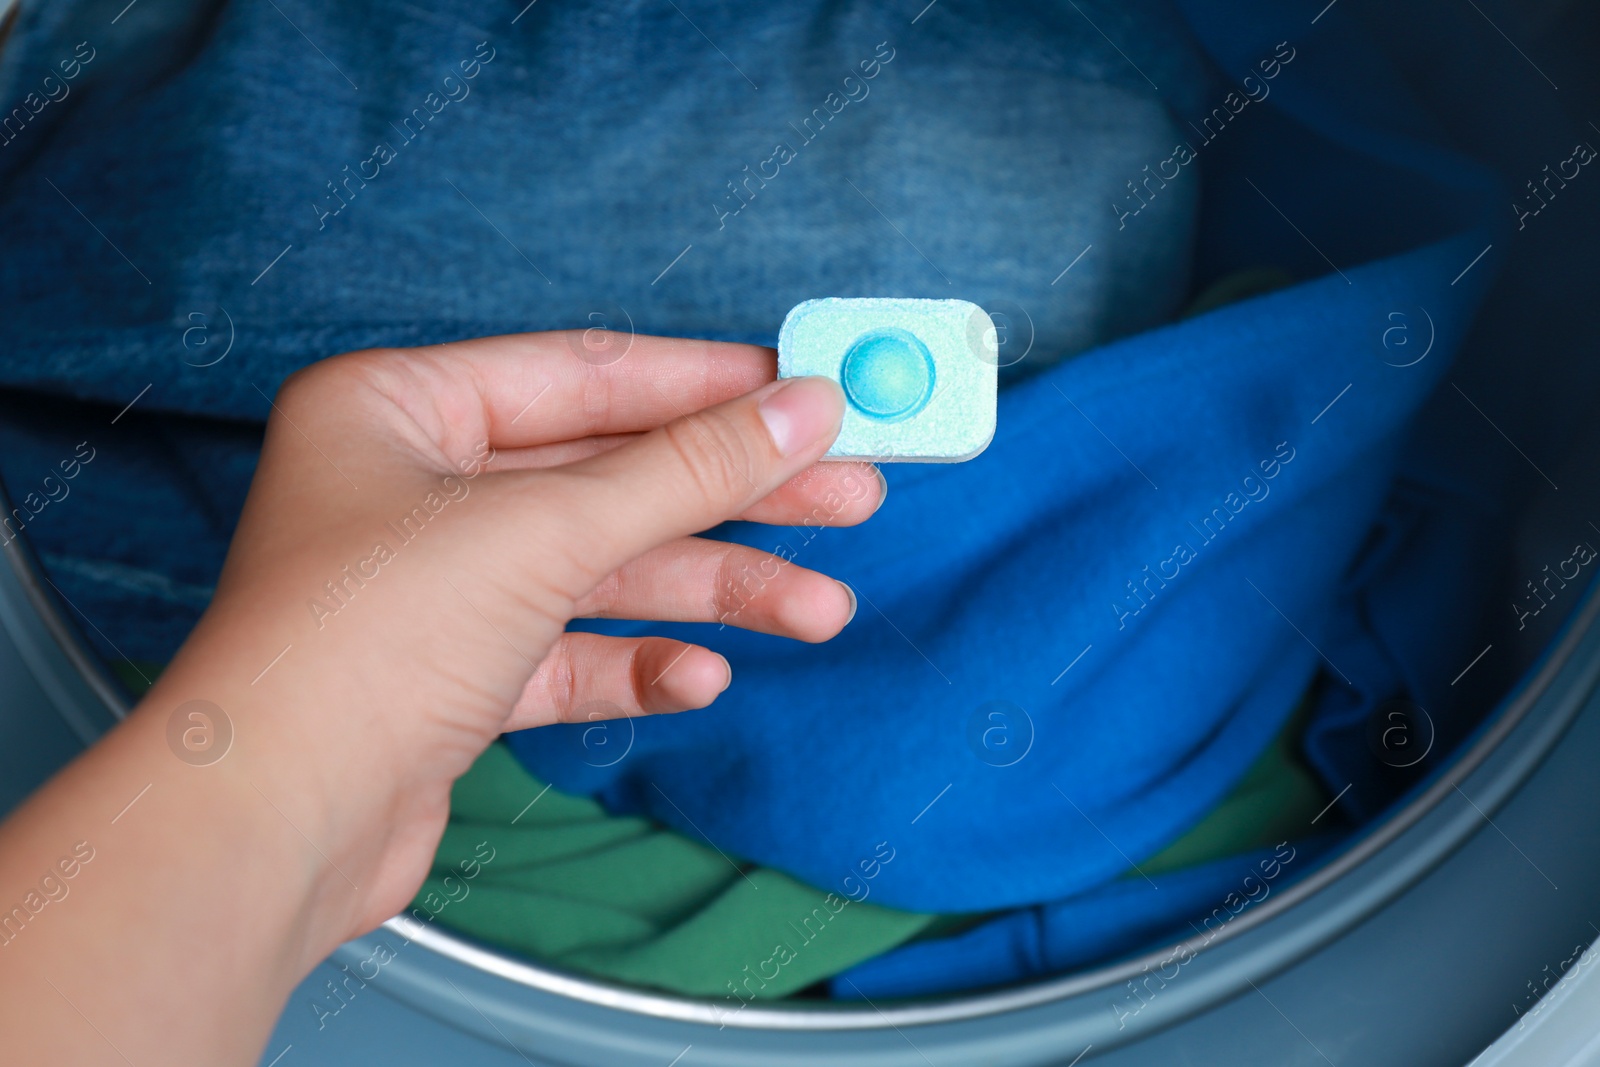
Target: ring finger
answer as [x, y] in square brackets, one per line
[696, 579]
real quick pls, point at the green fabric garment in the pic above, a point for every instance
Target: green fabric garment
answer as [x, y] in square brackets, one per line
[619, 898]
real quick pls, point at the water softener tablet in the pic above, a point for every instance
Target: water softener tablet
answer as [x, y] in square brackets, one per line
[919, 376]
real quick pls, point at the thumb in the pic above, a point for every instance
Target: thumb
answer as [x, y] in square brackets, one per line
[699, 469]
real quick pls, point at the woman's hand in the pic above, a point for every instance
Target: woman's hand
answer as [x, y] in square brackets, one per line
[424, 523]
[421, 527]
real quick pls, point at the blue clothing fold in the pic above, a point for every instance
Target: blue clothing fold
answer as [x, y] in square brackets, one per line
[1103, 922]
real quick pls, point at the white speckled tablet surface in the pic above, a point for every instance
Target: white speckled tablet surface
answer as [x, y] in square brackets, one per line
[919, 376]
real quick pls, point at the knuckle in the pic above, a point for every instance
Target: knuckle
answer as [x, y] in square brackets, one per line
[638, 673]
[600, 397]
[562, 683]
[607, 594]
[331, 380]
[736, 585]
[300, 389]
[577, 547]
[715, 456]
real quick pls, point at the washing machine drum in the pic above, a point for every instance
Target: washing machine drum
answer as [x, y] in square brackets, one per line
[1293, 455]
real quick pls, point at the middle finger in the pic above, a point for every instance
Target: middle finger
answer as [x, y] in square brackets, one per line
[830, 493]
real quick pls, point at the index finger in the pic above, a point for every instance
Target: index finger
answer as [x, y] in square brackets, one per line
[523, 390]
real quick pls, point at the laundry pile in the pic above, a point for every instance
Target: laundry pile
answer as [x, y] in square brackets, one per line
[1062, 723]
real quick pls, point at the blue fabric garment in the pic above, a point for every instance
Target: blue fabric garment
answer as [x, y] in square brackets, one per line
[1105, 921]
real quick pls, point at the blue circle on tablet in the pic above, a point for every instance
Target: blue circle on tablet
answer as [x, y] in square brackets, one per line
[888, 374]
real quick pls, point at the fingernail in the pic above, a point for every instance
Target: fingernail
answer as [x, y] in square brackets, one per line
[883, 489]
[727, 667]
[802, 411]
[851, 593]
